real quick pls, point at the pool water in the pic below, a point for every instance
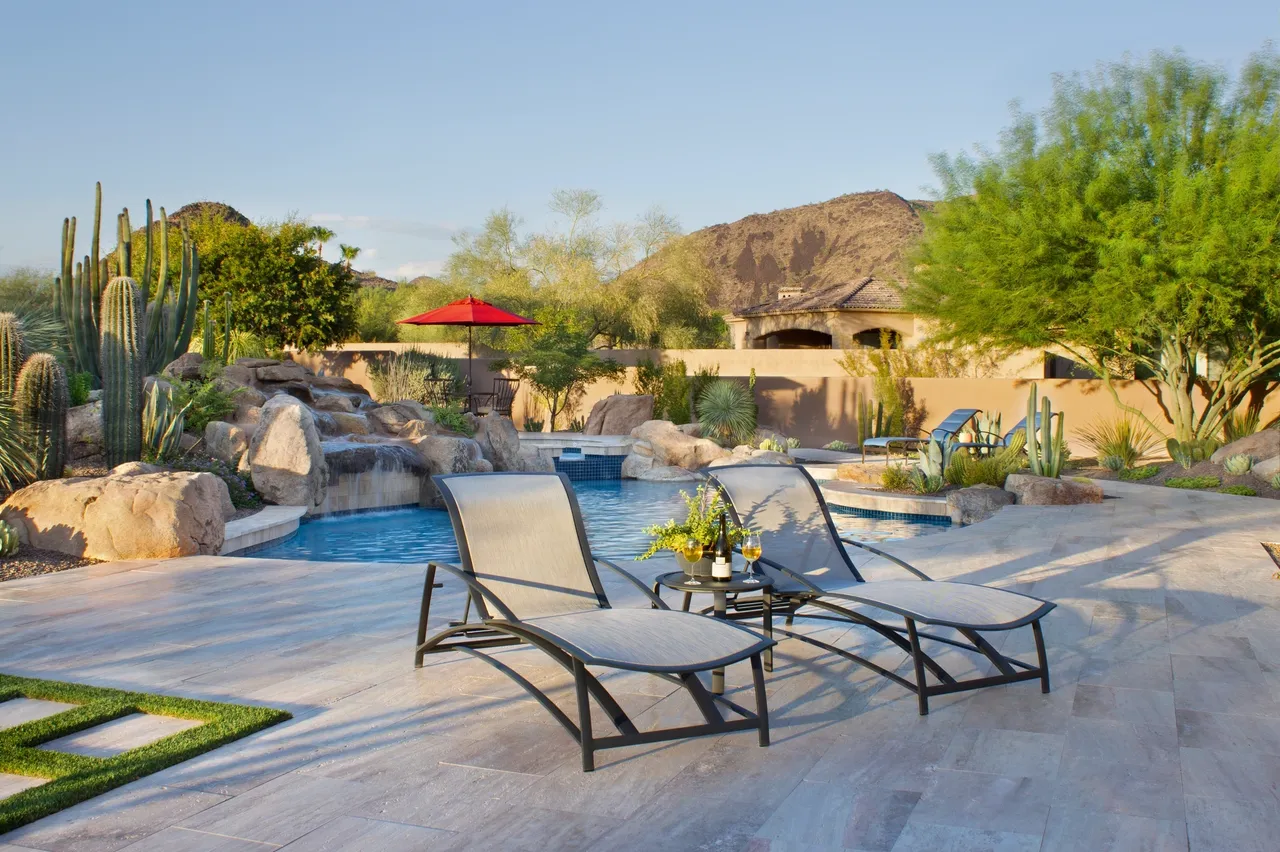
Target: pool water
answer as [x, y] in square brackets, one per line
[616, 513]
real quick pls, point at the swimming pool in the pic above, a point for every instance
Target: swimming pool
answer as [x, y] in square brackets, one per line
[615, 512]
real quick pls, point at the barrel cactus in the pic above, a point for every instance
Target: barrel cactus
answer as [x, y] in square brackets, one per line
[42, 399]
[9, 542]
[123, 361]
[13, 351]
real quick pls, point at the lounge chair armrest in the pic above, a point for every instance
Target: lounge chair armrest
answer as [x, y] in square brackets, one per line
[633, 580]
[889, 556]
[477, 588]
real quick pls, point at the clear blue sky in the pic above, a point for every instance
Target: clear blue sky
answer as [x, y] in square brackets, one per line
[398, 123]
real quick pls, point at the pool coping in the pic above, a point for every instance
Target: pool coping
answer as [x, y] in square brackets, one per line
[850, 495]
[269, 524]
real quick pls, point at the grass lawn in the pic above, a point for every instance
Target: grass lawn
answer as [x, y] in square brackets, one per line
[73, 777]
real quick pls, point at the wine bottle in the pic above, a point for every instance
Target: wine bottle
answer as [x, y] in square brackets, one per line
[722, 563]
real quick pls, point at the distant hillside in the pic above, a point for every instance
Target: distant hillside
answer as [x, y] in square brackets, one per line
[846, 238]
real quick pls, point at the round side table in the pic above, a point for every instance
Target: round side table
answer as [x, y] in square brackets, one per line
[721, 590]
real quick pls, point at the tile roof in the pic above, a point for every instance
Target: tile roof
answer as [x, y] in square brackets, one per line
[864, 294]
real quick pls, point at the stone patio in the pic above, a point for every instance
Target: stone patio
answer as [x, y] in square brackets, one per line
[1162, 732]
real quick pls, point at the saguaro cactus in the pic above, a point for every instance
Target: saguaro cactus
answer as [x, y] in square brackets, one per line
[209, 343]
[42, 401]
[123, 361]
[13, 351]
[1046, 452]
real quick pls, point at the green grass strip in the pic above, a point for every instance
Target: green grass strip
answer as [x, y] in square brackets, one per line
[1196, 482]
[74, 778]
[1137, 474]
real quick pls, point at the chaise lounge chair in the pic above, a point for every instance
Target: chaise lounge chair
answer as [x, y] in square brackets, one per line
[995, 442]
[531, 575]
[815, 578]
[952, 425]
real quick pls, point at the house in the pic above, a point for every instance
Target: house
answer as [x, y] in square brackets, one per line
[840, 316]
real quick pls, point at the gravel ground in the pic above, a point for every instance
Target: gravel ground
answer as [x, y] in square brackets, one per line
[29, 562]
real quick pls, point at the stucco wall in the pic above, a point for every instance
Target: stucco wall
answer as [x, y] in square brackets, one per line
[802, 392]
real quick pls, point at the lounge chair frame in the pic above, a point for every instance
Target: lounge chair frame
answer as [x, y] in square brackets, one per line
[500, 627]
[790, 604]
[909, 442]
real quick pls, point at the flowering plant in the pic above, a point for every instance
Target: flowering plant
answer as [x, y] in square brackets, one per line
[702, 522]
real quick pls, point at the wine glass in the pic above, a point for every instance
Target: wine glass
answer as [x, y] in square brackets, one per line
[691, 550]
[751, 551]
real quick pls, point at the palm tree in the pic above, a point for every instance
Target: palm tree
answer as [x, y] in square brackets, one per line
[349, 253]
[321, 235]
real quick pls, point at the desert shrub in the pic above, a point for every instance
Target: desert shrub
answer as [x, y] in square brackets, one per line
[677, 390]
[1194, 482]
[1239, 491]
[1241, 424]
[649, 378]
[204, 400]
[727, 413]
[1275, 482]
[531, 425]
[454, 418]
[966, 470]
[404, 375]
[1123, 438]
[896, 477]
[243, 494]
[1137, 474]
[1238, 464]
[1112, 462]
[923, 484]
[78, 387]
[839, 447]
[577, 424]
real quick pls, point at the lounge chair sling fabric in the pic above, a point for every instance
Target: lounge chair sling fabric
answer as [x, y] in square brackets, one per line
[954, 422]
[529, 571]
[815, 578]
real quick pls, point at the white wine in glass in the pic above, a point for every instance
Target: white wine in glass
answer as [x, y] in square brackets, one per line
[751, 551]
[691, 550]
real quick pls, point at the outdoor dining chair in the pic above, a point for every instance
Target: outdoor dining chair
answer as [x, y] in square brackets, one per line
[528, 568]
[944, 431]
[499, 400]
[814, 577]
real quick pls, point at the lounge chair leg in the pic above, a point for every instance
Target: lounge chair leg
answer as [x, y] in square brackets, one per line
[768, 628]
[922, 687]
[762, 702]
[422, 616]
[1040, 654]
[584, 717]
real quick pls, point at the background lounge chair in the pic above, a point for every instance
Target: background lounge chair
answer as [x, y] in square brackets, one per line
[995, 442]
[529, 570]
[805, 557]
[949, 427]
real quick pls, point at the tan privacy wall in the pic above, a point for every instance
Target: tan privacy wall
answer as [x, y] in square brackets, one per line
[802, 393]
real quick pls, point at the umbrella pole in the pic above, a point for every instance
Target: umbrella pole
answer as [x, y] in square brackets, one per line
[471, 369]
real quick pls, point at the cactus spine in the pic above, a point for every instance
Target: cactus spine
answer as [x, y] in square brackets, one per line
[9, 542]
[42, 401]
[123, 365]
[13, 351]
[1047, 452]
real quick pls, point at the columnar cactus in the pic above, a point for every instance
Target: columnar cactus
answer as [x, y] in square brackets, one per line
[9, 541]
[123, 360]
[209, 344]
[226, 329]
[42, 399]
[13, 351]
[1046, 453]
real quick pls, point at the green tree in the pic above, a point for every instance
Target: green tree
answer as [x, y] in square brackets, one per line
[376, 315]
[555, 358]
[1135, 224]
[349, 254]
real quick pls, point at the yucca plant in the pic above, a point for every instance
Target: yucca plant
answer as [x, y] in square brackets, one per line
[1241, 424]
[1122, 437]
[727, 413]
[17, 467]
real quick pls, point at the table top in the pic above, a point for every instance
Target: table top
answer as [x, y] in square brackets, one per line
[680, 581]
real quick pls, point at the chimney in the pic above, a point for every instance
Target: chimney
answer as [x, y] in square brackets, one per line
[789, 292]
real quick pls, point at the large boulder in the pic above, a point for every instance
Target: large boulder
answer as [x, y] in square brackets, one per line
[1260, 446]
[236, 375]
[337, 384]
[446, 454]
[300, 391]
[84, 434]
[189, 366]
[225, 441]
[673, 448]
[743, 454]
[533, 459]
[285, 459]
[391, 419]
[1267, 469]
[420, 428]
[976, 503]
[255, 363]
[286, 371]
[619, 414]
[636, 465]
[668, 474]
[350, 424]
[1031, 490]
[867, 474]
[334, 402]
[499, 441]
[123, 516]
[244, 397]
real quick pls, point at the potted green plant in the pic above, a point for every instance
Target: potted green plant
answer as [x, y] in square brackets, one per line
[701, 523]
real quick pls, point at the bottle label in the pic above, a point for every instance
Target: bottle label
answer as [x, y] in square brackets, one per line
[721, 569]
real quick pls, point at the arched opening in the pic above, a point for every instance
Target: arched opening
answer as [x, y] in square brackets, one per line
[792, 338]
[874, 338]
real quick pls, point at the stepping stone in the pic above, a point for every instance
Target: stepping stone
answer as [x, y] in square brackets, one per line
[120, 735]
[18, 711]
[10, 784]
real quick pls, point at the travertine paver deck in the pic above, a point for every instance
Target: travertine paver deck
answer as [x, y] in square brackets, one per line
[1162, 731]
[19, 711]
[120, 735]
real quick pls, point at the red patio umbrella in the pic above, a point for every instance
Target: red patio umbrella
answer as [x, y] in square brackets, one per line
[470, 312]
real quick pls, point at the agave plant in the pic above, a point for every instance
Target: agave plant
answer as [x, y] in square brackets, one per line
[727, 413]
[1113, 462]
[162, 424]
[1238, 464]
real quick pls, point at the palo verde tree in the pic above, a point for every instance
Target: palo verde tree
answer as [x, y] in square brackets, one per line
[1136, 224]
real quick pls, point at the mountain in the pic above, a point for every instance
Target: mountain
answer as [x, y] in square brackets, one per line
[814, 246]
